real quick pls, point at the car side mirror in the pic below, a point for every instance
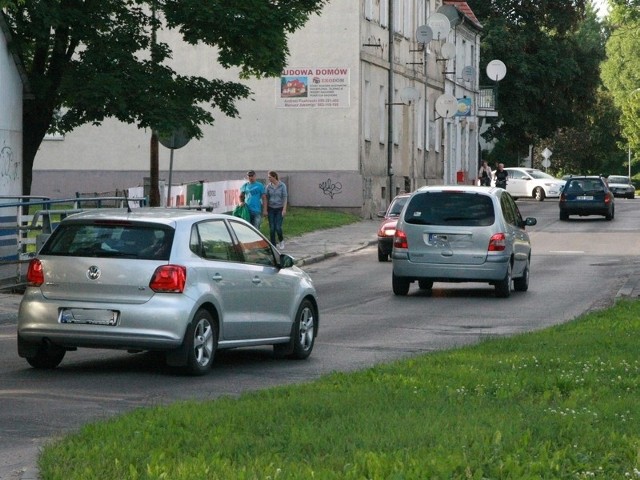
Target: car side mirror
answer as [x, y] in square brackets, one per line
[286, 261]
[530, 221]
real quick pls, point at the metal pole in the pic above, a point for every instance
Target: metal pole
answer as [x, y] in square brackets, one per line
[170, 175]
[390, 106]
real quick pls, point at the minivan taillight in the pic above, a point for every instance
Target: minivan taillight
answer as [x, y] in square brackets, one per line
[35, 275]
[169, 279]
[498, 242]
[400, 240]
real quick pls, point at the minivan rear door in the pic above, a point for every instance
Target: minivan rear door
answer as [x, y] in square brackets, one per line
[449, 227]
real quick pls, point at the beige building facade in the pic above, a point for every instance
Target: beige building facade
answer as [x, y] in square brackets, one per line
[352, 120]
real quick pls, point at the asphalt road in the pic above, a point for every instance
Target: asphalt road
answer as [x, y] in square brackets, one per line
[576, 266]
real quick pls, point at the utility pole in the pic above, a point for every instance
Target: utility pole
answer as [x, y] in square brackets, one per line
[154, 189]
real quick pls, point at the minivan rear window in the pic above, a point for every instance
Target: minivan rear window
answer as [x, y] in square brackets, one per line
[450, 208]
[110, 240]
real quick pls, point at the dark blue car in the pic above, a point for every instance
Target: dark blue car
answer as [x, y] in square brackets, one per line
[586, 195]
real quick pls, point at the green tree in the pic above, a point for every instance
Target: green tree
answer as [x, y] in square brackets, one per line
[552, 66]
[89, 60]
[621, 70]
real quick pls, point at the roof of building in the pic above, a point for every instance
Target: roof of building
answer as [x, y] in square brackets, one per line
[464, 8]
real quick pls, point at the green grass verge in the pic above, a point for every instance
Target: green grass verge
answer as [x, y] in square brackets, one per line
[299, 221]
[561, 403]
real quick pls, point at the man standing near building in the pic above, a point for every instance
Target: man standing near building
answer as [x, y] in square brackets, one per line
[255, 198]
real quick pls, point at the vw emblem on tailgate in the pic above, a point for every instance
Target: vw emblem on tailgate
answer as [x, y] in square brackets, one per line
[93, 273]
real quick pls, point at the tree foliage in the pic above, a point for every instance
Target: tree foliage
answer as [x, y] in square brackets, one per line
[621, 70]
[89, 60]
[552, 61]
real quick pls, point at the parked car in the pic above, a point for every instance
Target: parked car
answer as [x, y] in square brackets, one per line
[461, 234]
[586, 195]
[621, 186]
[532, 183]
[184, 283]
[387, 228]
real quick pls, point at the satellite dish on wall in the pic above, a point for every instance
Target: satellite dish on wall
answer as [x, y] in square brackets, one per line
[446, 105]
[451, 13]
[448, 50]
[424, 34]
[409, 94]
[496, 70]
[468, 73]
[440, 25]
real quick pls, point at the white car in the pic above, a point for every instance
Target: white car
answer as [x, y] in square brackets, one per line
[621, 186]
[532, 183]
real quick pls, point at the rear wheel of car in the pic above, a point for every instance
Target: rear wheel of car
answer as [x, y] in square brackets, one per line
[47, 357]
[521, 284]
[382, 257]
[202, 341]
[425, 284]
[610, 215]
[538, 193]
[400, 285]
[503, 287]
[304, 331]
[564, 216]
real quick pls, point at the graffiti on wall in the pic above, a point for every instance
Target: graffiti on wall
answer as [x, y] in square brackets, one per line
[9, 167]
[330, 188]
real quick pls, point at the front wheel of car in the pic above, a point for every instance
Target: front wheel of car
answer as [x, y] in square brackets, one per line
[400, 285]
[304, 331]
[47, 357]
[503, 287]
[538, 193]
[521, 284]
[202, 341]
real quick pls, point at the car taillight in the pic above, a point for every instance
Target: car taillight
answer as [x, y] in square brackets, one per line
[498, 242]
[35, 275]
[607, 198]
[400, 240]
[169, 279]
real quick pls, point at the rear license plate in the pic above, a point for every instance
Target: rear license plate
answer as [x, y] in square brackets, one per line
[88, 316]
[584, 197]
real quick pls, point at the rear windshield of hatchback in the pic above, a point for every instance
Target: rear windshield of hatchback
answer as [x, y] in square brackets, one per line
[450, 208]
[110, 241]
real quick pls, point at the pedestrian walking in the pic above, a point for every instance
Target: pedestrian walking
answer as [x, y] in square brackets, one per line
[501, 176]
[276, 207]
[255, 198]
[485, 174]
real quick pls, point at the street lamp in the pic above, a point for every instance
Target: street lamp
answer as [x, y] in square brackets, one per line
[629, 156]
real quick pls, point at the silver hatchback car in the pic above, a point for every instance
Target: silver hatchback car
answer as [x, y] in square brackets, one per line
[461, 234]
[184, 283]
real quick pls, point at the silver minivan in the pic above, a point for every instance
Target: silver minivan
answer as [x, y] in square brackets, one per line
[461, 234]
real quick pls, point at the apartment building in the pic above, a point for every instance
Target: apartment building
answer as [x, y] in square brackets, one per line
[352, 120]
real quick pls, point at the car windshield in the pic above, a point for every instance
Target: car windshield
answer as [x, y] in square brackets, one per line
[579, 186]
[110, 240]
[540, 175]
[450, 208]
[397, 206]
[617, 179]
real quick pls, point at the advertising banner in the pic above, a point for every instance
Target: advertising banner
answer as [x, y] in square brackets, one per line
[313, 87]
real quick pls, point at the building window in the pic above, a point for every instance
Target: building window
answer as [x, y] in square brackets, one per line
[368, 9]
[382, 110]
[384, 13]
[367, 110]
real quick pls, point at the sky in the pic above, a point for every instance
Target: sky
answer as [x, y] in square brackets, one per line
[601, 6]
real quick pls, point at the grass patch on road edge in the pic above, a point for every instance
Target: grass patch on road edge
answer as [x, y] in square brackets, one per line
[557, 403]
